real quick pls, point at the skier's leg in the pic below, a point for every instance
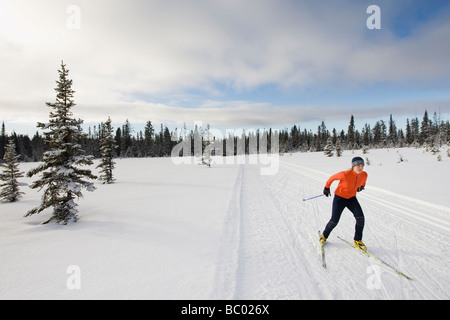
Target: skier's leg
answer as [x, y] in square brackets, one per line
[357, 211]
[339, 204]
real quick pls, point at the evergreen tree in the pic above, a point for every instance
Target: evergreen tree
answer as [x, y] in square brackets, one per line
[329, 148]
[325, 134]
[334, 137]
[400, 139]
[379, 134]
[11, 172]
[392, 132]
[167, 142]
[2, 141]
[338, 148]
[295, 137]
[351, 133]
[366, 135]
[415, 131]
[446, 132]
[126, 141]
[425, 129]
[409, 135]
[317, 139]
[107, 151]
[434, 127]
[61, 176]
[118, 139]
[149, 133]
[159, 142]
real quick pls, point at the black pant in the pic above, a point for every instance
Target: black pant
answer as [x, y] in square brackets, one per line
[339, 204]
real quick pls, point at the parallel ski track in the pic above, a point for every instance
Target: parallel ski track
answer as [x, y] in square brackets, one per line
[225, 283]
[268, 266]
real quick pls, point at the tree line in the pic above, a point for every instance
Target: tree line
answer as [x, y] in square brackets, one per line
[429, 131]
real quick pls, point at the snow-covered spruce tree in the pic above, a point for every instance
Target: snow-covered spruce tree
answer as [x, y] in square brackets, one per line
[61, 175]
[11, 172]
[328, 150]
[107, 150]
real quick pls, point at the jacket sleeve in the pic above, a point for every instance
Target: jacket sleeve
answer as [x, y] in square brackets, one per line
[363, 184]
[337, 176]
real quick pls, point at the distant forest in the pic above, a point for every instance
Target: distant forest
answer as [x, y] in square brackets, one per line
[431, 132]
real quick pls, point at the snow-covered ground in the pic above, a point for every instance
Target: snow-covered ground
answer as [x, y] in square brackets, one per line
[166, 231]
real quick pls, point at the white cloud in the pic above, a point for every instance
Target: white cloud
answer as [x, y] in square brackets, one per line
[166, 49]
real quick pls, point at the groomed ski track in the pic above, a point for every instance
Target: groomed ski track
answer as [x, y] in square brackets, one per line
[269, 247]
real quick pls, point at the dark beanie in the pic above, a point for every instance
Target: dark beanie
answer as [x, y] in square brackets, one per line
[357, 161]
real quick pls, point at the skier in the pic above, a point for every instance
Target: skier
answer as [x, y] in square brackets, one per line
[351, 182]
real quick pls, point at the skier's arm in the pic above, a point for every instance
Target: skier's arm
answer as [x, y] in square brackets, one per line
[363, 184]
[365, 179]
[337, 176]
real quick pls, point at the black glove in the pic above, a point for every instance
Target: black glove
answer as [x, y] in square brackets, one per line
[360, 189]
[326, 192]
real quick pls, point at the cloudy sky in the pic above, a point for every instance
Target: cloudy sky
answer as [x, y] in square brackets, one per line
[230, 63]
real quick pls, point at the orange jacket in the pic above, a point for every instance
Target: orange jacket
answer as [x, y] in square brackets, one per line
[349, 183]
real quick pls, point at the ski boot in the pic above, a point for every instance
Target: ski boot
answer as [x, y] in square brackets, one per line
[360, 245]
[322, 240]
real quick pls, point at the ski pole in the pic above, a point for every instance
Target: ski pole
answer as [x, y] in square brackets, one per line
[314, 197]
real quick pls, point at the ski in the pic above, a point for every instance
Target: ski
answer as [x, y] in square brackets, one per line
[377, 259]
[322, 252]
